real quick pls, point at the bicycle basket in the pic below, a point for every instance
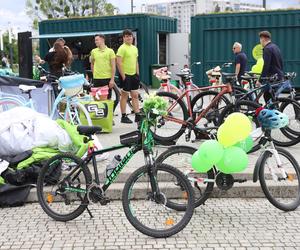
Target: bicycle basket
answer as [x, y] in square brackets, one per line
[72, 84]
[131, 138]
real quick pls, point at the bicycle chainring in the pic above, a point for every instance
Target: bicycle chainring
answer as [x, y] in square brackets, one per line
[224, 181]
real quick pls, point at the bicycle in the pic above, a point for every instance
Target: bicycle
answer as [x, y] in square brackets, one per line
[248, 100]
[153, 186]
[274, 168]
[73, 107]
[185, 76]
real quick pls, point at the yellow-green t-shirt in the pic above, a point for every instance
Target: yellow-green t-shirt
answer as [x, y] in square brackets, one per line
[102, 62]
[129, 54]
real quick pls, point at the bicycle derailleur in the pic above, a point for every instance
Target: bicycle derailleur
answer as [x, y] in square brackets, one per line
[95, 194]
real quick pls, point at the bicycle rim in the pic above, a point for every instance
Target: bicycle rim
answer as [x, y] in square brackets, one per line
[281, 184]
[148, 211]
[62, 190]
[180, 157]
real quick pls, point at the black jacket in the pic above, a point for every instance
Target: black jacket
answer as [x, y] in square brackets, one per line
[273, 63]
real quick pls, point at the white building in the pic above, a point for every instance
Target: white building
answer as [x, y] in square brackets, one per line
[183, 10]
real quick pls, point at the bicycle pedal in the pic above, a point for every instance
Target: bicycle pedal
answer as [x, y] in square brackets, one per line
[104, 201]
[240, 180]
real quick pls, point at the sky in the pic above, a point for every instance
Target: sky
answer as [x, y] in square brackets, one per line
[13, 12]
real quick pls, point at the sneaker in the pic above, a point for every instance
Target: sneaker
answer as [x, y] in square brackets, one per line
[125, 119]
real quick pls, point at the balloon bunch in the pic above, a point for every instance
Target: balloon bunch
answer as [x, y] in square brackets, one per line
[229, 153]
[258, 67]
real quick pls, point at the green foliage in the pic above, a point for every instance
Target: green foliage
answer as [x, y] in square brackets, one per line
[6, 47]
[46, 9]
[157, 103]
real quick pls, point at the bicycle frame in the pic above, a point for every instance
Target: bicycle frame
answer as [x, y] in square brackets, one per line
[18, 98]
[225, 89]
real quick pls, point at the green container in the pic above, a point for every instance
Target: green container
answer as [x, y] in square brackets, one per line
[212, 37]
[146, 26]
[155, 83]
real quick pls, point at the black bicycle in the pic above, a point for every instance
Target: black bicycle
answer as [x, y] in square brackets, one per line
[158, 199]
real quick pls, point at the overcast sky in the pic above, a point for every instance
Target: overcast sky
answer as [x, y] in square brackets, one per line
[13, 11]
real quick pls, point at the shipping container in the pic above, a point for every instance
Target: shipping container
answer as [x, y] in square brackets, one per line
[150, 34]
[212, 37]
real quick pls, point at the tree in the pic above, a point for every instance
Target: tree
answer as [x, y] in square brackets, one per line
[47, 9]
[217, 8]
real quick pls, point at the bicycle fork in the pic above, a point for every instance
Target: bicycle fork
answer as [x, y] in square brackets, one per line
[279, 164]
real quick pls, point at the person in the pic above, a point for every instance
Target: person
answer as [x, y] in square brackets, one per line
[57, 59]
[60, 41]
[103, 64]
[240, 60]
[4, 61]
[128, 66]
[273, 63]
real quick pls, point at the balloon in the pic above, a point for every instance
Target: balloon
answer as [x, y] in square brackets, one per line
[257, 51]
[200, 165]
[238, 125]
[235, 160]
[225, 136]
[246, 144]
[211, 151]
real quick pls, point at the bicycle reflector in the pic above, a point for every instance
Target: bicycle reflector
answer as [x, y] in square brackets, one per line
[244, 82]
[213, 80]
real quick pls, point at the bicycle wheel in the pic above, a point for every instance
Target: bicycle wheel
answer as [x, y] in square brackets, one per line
[280, 184]
[171, 126]
[180, 157]
[143, 90]
[149, 211]
[77, 114]
[62, 187]
[247, 108]
[292, 109]
[7, 103]
[201, 102]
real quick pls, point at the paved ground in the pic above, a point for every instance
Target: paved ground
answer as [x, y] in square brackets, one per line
[220, 224]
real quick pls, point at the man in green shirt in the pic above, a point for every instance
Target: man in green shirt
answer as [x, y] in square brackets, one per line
[128, 66]
[103, 64]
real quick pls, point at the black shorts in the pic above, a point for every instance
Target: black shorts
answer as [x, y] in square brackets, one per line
[102, 83]
[130, 83]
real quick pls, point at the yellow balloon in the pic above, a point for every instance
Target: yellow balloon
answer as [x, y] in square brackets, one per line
[225, 136]
[238, 125]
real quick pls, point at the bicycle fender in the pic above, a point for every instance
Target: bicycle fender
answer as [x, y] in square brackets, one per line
[258, 165]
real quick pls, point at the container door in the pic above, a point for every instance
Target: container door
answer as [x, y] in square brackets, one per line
[178, 51]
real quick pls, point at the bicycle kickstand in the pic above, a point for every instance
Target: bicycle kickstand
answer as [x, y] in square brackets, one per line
[90, 213]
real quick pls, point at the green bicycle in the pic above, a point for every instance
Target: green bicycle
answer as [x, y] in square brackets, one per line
[158, 200]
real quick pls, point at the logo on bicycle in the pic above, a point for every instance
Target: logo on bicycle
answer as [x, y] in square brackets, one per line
[99, 112]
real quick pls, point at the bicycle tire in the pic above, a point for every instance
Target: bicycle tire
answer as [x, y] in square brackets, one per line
[40, 187]
[4, 102]
[236, 108]
[284, 103]
[185, 117]
[210, 116]
[199, 200]
[263, 184]
[116, 96]
[150, 231]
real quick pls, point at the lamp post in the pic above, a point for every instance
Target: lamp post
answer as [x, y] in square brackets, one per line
[93, 7]
[265, 4]
[10, 45]
[1, 41]
[132, 6]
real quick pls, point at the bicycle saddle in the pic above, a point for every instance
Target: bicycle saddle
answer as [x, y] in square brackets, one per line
[88, 130]
[229, 75]
[26, 88]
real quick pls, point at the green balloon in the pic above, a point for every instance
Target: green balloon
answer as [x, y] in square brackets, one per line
[211, 151]
[235, 160]
[199, 164]
[246, 144]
